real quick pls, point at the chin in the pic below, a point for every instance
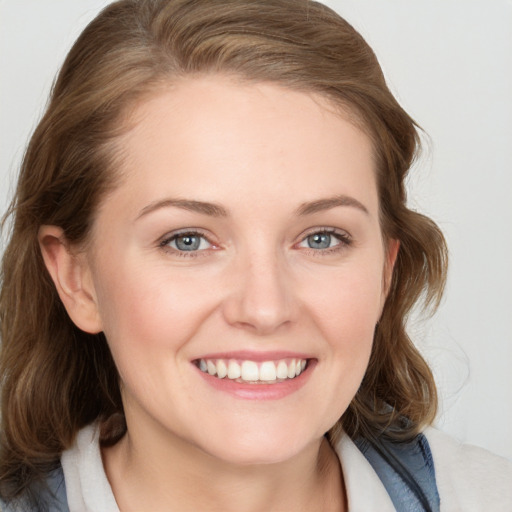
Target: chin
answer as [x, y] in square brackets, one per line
[260, 446]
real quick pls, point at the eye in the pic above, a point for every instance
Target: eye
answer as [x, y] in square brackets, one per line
[325, 239]
[320, 240]
[187, 242]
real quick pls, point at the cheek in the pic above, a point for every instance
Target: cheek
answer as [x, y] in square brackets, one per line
[346, 313]
[149, 307]
[348, 304]
[148, 321]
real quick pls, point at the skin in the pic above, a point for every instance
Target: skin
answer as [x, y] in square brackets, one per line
[259, 152]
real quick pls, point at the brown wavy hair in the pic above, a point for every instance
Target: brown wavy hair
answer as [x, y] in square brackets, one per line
[55, 378]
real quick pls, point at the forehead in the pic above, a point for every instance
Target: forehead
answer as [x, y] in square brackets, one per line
[215, 136]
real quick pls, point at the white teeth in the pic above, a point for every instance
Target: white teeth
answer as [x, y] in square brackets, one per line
[251, 371]
[291, 369]
[222, 369]
[234, 371]
[282, 370]
[268, 371]
[212, 369]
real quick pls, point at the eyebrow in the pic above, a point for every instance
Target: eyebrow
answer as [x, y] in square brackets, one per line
[216, 210]
[328, 203]
[211, 209]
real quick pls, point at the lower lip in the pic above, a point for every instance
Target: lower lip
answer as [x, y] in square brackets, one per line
[259, 391]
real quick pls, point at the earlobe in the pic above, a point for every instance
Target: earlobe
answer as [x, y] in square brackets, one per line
[72, 279]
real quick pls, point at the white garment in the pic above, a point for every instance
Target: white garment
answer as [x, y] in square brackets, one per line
[87, 487]
[469, 479]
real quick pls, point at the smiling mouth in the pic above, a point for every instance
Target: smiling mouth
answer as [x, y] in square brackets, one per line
[252, 372]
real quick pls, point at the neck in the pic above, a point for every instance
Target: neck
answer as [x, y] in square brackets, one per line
[146, 475]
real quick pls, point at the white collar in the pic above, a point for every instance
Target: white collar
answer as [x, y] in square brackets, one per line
[365, 491]
[88, 489]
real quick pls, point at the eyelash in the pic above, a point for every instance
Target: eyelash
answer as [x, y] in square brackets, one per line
[164, 244]
[344, 239]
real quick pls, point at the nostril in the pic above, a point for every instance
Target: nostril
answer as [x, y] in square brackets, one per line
[262, 298]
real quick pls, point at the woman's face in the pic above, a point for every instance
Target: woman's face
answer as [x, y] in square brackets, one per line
[242, 243]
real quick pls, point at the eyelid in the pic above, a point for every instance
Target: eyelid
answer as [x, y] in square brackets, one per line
[165, 240]
[325, 229]
[344, 237]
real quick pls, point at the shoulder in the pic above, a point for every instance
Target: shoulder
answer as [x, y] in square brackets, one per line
[406, 469]
[468, 477]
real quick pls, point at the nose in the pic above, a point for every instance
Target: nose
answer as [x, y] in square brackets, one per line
[261, 297]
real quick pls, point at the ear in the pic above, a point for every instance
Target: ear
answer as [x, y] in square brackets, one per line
[72, 278]
[392, 248]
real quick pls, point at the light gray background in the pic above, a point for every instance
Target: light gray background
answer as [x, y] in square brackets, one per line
[450, 64]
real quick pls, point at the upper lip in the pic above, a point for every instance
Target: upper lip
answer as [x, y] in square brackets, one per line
[247, 355]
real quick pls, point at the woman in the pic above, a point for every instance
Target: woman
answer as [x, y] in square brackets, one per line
[204, 295]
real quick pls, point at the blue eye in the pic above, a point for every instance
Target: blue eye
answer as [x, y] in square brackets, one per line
[319, 240]
[187, 242]
[325, 240]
